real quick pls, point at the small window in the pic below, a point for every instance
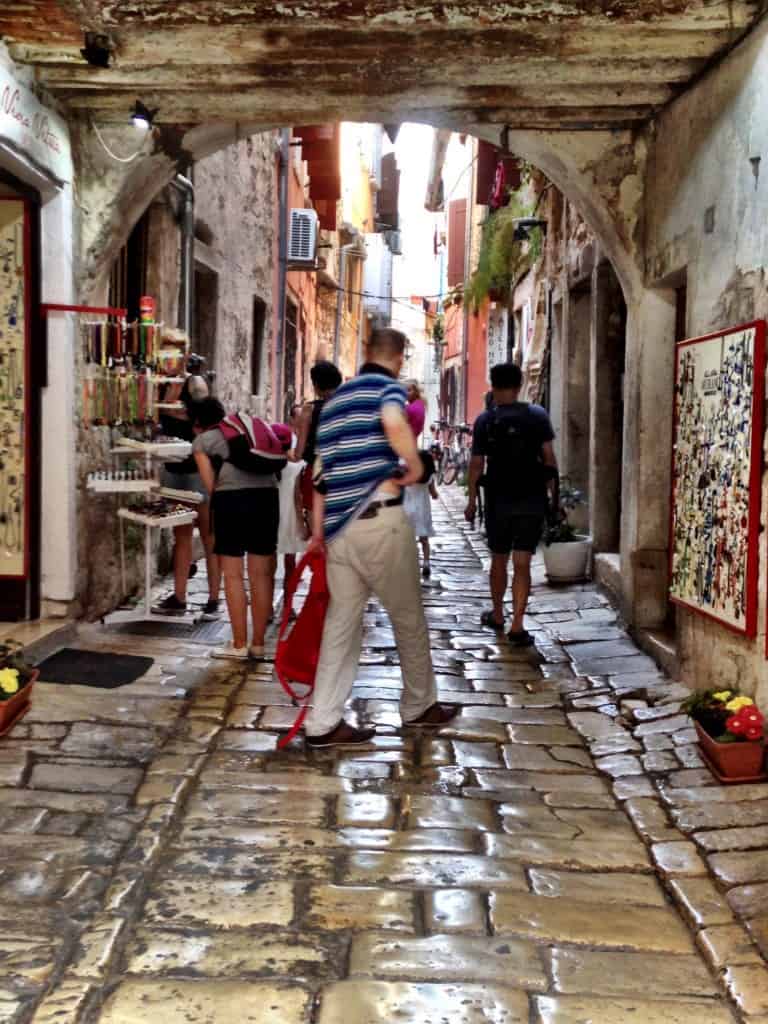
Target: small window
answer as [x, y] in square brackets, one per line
[257, 347]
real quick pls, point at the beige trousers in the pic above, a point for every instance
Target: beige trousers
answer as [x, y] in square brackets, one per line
[372, 556]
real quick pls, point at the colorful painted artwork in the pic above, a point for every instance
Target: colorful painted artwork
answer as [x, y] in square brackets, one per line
[716, 475]
[12, 388]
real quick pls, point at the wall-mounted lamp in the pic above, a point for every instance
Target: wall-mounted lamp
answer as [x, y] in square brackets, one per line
[97, 50]
[525, 225]
[142, 116]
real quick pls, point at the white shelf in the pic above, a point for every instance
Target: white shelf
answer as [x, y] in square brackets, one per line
[188, 497]
[159, 522]
[168, 450]
[122, 486]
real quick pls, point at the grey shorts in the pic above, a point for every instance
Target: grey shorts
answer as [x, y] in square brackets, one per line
[183, 482]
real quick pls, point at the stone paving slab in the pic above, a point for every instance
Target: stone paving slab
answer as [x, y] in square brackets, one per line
[377, 1002]
[204, 1002]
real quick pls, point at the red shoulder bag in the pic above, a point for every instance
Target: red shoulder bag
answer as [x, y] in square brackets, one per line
[298, 644]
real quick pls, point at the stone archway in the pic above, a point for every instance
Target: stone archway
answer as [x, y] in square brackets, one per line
[600, 172]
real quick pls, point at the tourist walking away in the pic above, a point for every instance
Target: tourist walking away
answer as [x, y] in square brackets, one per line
[238, 458]
[293, 534]
[325, 379]
[416, 410]
[183, 476]
[417, 505]
[358, 518]
[512, 451]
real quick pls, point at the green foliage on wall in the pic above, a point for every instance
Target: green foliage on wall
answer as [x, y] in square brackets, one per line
[502, 258]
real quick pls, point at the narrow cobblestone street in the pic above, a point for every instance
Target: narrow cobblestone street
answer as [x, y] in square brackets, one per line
[559, 855]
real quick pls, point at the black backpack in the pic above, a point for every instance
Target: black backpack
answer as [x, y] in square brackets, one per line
[514, 451]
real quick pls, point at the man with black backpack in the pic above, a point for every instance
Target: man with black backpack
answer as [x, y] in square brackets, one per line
[512, 450]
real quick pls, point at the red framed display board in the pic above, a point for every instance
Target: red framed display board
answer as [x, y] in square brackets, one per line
[15, 388]
[717, 475]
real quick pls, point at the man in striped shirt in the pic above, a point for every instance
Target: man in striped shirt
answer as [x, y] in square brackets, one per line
[367, 454]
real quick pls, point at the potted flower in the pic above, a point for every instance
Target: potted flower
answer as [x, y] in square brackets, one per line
[16, 681]
[566, 552]
[731, 732]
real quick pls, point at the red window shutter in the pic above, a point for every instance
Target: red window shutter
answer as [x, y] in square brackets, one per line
[457, 241]
[487, 158]
[388, 200]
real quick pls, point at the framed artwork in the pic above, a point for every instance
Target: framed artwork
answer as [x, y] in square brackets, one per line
[14, 388]
[716, 475]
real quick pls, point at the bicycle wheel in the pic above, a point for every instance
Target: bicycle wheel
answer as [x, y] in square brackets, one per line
[449, 473]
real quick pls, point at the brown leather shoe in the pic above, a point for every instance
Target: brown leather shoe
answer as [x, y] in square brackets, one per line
[343, 735]
[435, 716]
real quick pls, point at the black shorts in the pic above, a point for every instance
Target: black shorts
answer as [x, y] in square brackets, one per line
[508, 531]
[246, 522]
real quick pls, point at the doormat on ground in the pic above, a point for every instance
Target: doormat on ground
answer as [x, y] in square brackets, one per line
[194, 632]
[90, 668]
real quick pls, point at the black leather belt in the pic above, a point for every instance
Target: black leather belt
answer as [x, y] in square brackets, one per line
[375, 506]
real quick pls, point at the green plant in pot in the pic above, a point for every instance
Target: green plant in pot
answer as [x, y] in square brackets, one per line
[566, 552]
[16, 679]
[731, 731]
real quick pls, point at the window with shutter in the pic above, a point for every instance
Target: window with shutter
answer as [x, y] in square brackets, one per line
[457, 241]
[388, 199]
[487, 158]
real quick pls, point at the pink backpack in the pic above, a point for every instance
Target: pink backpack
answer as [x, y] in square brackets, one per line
[254, 446]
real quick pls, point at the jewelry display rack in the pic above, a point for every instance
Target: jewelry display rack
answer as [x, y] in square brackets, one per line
[115, 482]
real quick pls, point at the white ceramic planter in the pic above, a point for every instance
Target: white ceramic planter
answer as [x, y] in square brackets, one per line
[569, 562]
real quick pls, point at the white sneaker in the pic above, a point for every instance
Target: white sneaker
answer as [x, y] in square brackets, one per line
[228, 651]
[256, 651]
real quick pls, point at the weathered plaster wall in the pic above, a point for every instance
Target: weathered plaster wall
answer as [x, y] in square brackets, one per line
[235, 191]
[707, 206]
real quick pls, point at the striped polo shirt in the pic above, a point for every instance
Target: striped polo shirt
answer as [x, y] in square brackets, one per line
[353, 448]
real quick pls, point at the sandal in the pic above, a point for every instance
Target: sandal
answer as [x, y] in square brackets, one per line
[487, 620]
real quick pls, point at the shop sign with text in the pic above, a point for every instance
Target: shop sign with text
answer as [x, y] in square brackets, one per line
[32, 128]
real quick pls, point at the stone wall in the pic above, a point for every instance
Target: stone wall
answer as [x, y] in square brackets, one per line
[707, 194]
[235, 193]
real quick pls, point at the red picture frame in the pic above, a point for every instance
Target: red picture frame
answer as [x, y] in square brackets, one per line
[27, 271]
[708, 523]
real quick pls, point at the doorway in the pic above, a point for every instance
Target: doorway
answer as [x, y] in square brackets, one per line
[206, 314]
[291, 355]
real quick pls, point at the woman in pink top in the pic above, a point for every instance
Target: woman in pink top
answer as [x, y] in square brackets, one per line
[416, 410]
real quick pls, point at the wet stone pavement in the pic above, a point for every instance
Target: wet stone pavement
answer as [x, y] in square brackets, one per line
[558, 855]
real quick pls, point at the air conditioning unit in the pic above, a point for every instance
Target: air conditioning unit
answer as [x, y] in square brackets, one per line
[302, 239]
[395, 242]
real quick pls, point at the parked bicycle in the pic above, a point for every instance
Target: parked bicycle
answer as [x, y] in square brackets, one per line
[454, 464]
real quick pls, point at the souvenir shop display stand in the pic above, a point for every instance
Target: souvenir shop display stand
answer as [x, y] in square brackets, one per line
[126, 365]
[165, 451]
[143, 611]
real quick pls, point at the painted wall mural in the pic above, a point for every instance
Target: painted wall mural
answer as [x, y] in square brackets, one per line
[716, 475]
[13, 329]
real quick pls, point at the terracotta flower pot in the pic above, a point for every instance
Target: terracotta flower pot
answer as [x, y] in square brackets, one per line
[14, 709]
[741, 760]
